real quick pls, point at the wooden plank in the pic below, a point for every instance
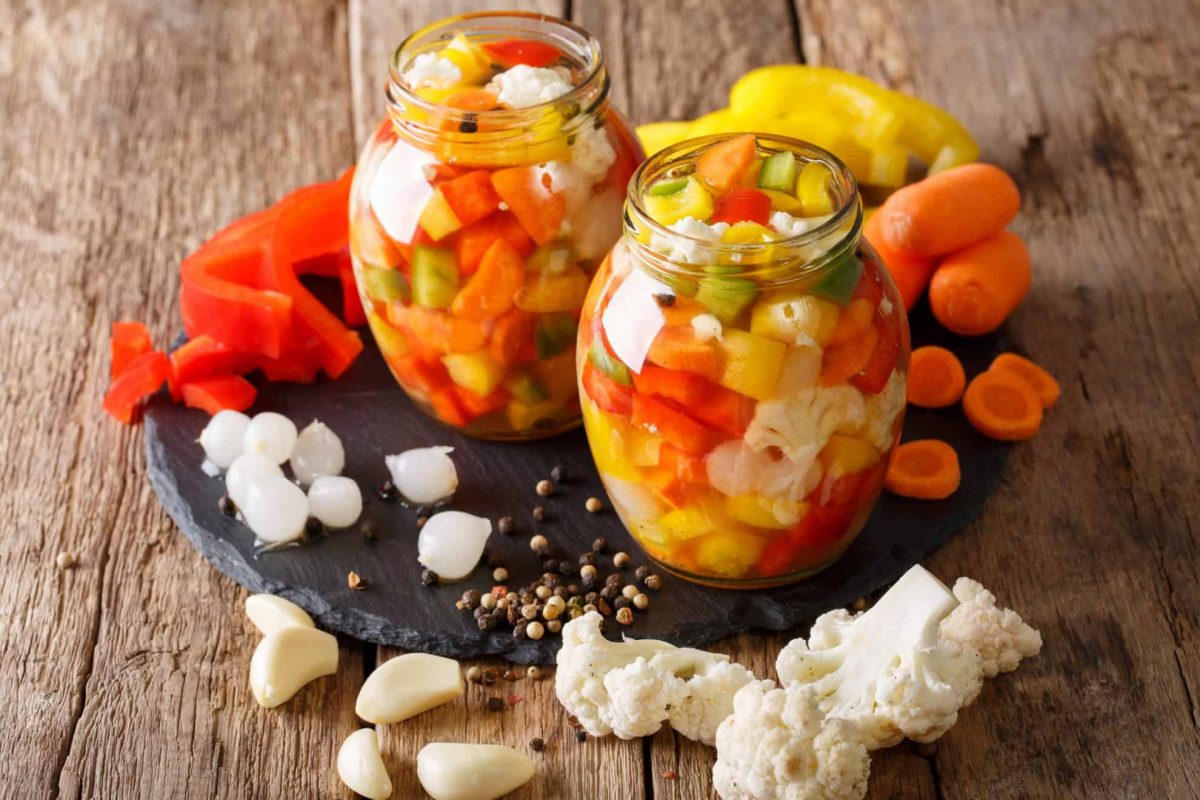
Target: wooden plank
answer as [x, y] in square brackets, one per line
[133, 130]
[1090, 109]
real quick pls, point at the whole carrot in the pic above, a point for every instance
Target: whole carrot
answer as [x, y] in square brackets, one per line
[910, 273]
[974, 290]
[949, 211]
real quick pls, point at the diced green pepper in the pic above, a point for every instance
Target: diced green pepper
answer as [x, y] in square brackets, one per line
[840, 279]
[524, 387]
[553, 259]
[555, 333]
[607, 364]
[667, 186]
[726, 297]
[434, 277]
[385, 285]
[779, 172]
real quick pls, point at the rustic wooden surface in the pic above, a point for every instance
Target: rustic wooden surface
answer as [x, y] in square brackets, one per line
[132, 129]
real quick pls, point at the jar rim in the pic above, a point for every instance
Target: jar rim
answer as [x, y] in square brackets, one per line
[564, 34]
[841, 226]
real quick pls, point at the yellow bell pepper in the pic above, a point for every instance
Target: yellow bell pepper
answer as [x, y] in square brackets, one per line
[693, 200]
[392, 342]
[812, 189]
[546, 293]
[685, 523]
[844, 454]
[437, 218]
[523, 416]
[752, 363]
[477, 371]
[656, 136]
[765, 512]
[727, 554]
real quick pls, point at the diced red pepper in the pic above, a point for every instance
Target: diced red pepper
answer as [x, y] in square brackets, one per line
[471, 196]
[672, 424]
[531, 52]
[141, 378]
[474, 405]
[527, 193]
[472, 242]
[427, 377]
[219, 393]
[687, 467]
[352, 308]
[204, 357]
[129, 340]
[446, 406]
[606, 393]
[821, 526]
[743, 204]
[722, 408]
[891, 333]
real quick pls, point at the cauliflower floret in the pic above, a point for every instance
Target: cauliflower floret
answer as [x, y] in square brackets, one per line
[785, 224]
[802, 424]
[882, 410]
[684, 250]
[524, 86]
[707, 326]
[592, 152]
[429, 69]
[886, 669]
[640, 699]
[999, 634]
[777, 745]
[709, 700]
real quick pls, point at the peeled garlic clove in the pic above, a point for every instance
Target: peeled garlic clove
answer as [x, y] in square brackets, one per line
[335, 500]
[406, 685]
[424, 474]
[271, 434]
[275, 509]
[451, 543]
[361, 767]
[222, 437]
[287, 659]
[318, 451]
[270, 612]
[451, 771]
[244, 471]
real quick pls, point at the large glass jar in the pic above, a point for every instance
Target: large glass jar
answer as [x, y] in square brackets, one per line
[742, 361]
[481, 207]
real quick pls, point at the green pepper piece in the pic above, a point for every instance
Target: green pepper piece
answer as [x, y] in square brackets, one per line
[726, 297]
[434, 277]
[555, 333]
[609, 365]
[524, 387]
[667, 186]
[779, 172]
[385, 285]
[838, 283]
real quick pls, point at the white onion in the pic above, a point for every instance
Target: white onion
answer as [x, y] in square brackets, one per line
[633, 500]
[222, 437]
[318, 451]
[451, 543]
[271, 434]
[276, 509]
[424, 474]
[335, 500]
[244, 471]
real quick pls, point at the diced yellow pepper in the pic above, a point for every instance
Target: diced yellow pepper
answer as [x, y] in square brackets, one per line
[693, 200]
[477, 372]
[607, 439]
[523, 416]
[392, 342]
[685, 523]
[812, 189]
[557, 375]
[752, 363]
[435, 94]
[786, 316]
[643, 448]
[471, 60]
[765, 512]
[748, 233]
[437, 218]
[889, 166]
[844, 454]
[546, 293]
[727, 554]
[784, 202]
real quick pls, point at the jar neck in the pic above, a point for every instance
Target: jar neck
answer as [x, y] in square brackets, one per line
[427, 123]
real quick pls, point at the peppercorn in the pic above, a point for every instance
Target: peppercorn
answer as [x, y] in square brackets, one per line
[227, 506]
[641, 601]
[600, 545]
[489, 676]
[387, 491]
[559, 473]
[534, 630]
[589, 608]
[471, 598]
[313, 527]
[479, 612]
[355, 581]
[550, 564]
[499, 574]
[587, 559]
[603, 607]
[544, 488]
[622, 602]
[621, 560]
[488, 602]
[529, 611]
[421, 522]
[641, 572]
[495, 704]
[590, 597]
[550, 612]
[653, 582]
[581, 736]
[554, 626]
[566, 568]
[615, 579]
[505, 526]
[575, 602]
[664, 299]
[593, 505]
[574, 612]
[560, 593]
[536, 744]
[551, 581]
[468, 124]
[539, 544]
[513, 615]
[474, 674]
[429, 577]
[588, 572]
[542, 592]
[610, 593]
[486, 622]
[534, 673]
[625, 616]
[539, 513]
[629, 591]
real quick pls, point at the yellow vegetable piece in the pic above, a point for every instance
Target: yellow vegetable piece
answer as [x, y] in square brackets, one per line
[791, 317]
[727, 554]
[557, 375]
[606, 434]
[752, 363]
[523, 416]
[477, 371]
[547, 293]
[889, 165]
[812, 189]
[685, 523]
[765, 512]
[844, 455]
[953, 155]
[643, 448]
[471, 60]
[656, 136]
[784, 202]
[748, 233]
[435, 94]
[392, 342]
[693, 200]
[437, 218]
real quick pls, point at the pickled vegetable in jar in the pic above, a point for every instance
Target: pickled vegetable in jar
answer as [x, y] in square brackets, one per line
[481, 208]
[742, 358]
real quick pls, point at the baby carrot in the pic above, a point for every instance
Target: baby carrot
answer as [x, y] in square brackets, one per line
[974, 290]
[926, 469]
[1001, 405]
[910, 273]
[949, 211]
[935, 377]
[1042, 381]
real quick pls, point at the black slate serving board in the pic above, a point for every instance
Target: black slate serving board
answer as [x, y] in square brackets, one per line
[372, 415]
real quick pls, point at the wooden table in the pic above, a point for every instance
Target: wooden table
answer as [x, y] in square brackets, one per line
[133, 129]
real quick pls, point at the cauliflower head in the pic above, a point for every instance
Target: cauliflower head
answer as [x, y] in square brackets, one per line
[999, 634]
[778, 745]
[886, 669]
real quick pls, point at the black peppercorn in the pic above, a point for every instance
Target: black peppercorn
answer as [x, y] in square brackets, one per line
[600, 545]
[590, 597]
[519, 628]
[468, 124]
[370, 529]
[536, 744]
[551, 582]
[610, 592]
[566, 568]
[480, 611]
[429, 577]
[485, 622]
[505, 526]
[471, 598]
[665, 299]
[559, 473]
[495, 704]
[562, 591]
[622, 602]
[550, 564]
[587, 558]
[641, 572]
[614, 579]
[581, 736]
[227, 507]
[539, 513]
[387, 491]
[313, 527]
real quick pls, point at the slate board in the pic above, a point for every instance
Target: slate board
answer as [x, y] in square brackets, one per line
[373, 417]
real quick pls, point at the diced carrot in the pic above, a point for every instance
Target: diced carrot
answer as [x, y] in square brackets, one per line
[723, 165]
[527, 192]
[129, 340]
[1043, 382]
[874, 375]
[839, 363]
[219, 393]
[935, 377]
[490, 291]
[512, 339]
[926, 469]
[472, 242]
[999, 403]
[911, 274]
[471, 196]
[672, 424]
[473, 99]
[949, 211]
[445, 332]
[676, 347]
[853, 321]
[974, 290]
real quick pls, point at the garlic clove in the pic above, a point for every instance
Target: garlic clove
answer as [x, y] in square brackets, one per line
[287, 659]
[407, 685]
[270, 612]
[361, 767]
[450, 771]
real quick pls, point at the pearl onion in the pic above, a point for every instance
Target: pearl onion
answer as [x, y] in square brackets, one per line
[222, 437]
[271, 434]
[276, 509]
[451, 543]
[318, 452]
[244, 472]
[424, 474]
[335, 500]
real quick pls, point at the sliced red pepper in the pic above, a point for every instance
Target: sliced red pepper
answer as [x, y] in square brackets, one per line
[471, 196]
[531, 52]
[326, 218]
[687, 467]
[672, 424]
[129, 340]
[204, 357]
[743, 204]
[141, 378]
[353, 312]
[606, 393]
[891, 331]
[475, 406]
[821, 526]
[709, 402]
[219, 393]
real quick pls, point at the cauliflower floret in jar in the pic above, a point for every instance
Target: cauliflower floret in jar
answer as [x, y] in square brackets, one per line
[524, 86]
[430, 70]
[592, 152]
[881, 412]
[686, 251]
[800, 425]
[786, 225]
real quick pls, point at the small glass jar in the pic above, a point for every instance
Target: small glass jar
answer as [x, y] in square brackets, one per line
[743, 384]
[481, 207]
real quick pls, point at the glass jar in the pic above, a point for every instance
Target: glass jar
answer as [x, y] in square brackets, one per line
[481, 207]
[743, 382]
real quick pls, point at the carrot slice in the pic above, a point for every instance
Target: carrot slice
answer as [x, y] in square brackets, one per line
[926, 469]
[1000, 404]
[512, 339]
[1042, 381]
[853, 321]
[723, 165]
[676, 347]
[935, 378]
[490, 291]
[839, 363]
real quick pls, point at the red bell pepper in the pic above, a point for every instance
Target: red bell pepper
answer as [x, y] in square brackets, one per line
[722, 408]
[129, 340]
[672, 424]
[141, 378]
[743, 204]
[352, 308]
[531, 52]
[447, 408]
[471, 196]
[891, 331]
[473, 241]
[204, 357]
[475, 405]
[606, 393]
[219, 393]
[326, 218]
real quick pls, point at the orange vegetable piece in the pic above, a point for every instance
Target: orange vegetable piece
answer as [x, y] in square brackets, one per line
[853, 321]
[512, 338]
[974, 290]
[935, 377]
[949, 211]
[472, 99]
[527, 193]
[490, 291]
[1043, 382]
[471, 196]
[445, 332]
[840, 363]
[129, 340]
[676, 347]
[219, 393]
[1001, 405]
[723, 165]
[926, 469]
[472, 241]
[911, 274]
